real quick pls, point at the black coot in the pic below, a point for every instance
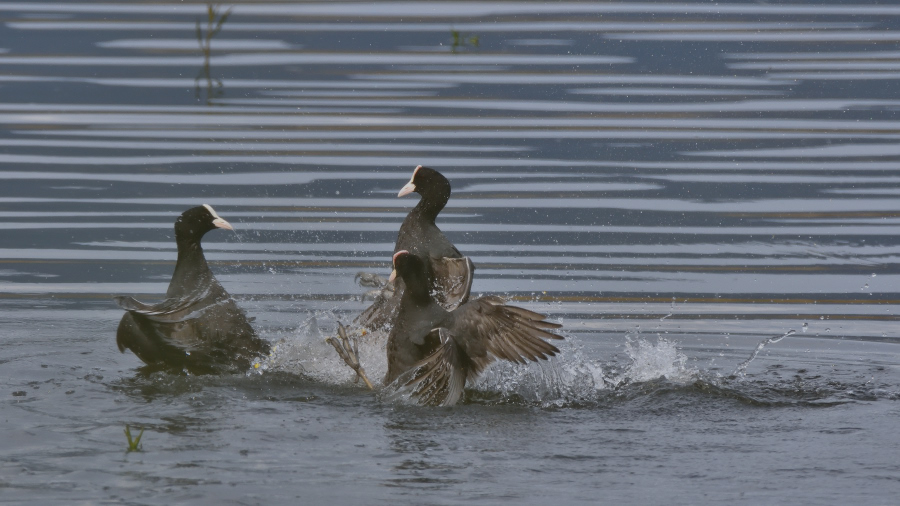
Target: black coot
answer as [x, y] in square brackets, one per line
[433, 352]
[198, 327]
[445, 267]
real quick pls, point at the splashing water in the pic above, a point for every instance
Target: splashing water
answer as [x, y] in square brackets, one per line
[570, 377]
[305, 352]
[742, 367]
[652, 361]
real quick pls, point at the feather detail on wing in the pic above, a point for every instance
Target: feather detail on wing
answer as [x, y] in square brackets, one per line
[137, 331]
[486, 329]
[204, 330]
[175, 309]
[452, 284]
[384, 309]
[440, 378]
[452, 281]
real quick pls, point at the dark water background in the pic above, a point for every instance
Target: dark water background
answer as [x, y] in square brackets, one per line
[674, 182]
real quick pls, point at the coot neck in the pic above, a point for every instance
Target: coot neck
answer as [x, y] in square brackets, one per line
[431, 204]
[191, 269]
[416, 293]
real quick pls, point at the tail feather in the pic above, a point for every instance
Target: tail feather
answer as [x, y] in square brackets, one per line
[440, 378]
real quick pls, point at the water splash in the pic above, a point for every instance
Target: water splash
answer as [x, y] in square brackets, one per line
[739, 370]
[305, 352]
[567, 378]
[574, 378]
[651, 361]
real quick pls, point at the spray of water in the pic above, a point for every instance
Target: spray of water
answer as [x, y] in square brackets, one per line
[742, 367]
[305, 352]
[567, 378]
[572, 377]
[650, 361]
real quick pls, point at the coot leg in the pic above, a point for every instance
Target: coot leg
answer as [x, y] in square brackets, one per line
[349, 351]
[370, 279]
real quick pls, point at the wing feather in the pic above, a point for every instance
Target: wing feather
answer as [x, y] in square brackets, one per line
[488, 330]
[174, 310]
[452, 281]
[204, 331]
[452, 284]
[440, 378]
[383, 310]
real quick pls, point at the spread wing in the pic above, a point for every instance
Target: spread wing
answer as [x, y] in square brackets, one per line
[452, 281]
[440, 378]
[175, 309]
[384, 310]
[478, 333]
[452, 284]
[203, 330]
[487, 330]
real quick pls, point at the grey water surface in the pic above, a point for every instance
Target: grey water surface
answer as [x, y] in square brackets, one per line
[681, 185]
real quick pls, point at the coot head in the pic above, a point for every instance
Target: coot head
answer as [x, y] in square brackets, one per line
[195, 222]
[412, 271]
[428, 183]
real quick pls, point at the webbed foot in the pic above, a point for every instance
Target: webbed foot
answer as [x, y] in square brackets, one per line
[370, 279]
[349, 351]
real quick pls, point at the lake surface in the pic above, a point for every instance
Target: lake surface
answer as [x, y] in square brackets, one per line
[677, 183]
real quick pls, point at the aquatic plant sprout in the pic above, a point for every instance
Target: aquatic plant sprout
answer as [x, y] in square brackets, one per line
[134, 445]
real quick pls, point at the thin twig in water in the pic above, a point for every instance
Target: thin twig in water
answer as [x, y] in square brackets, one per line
[214, 23]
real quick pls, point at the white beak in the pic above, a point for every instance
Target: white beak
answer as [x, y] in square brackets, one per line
[410, 186]
[220, 223]
[217, 221]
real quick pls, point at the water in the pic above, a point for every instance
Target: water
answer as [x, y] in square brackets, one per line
[680, 184]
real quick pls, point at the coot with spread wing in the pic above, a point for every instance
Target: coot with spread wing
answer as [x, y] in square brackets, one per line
[445, 266]
[433, 352]
[199, 327]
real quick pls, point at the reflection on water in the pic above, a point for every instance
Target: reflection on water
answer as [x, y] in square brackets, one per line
[214, 21]
[674, 181]
[692, 169]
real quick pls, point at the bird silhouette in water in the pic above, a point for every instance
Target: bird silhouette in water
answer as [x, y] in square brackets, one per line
[432, 352]
[445, 267]
[199, 327]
